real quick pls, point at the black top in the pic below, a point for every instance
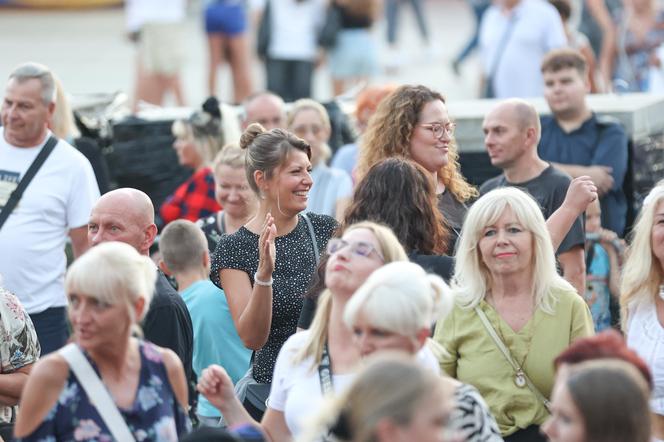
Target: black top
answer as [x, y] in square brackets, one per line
[350, 21]
[168, 325]
[295, 264]
[214, 227]
[454, 212]
[549, 189]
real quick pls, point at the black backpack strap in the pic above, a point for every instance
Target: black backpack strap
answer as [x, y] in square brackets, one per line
[16, 195]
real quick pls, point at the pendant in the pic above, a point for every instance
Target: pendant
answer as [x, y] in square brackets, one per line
[520, 379]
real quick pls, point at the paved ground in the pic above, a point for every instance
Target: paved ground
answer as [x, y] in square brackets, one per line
[88, 50]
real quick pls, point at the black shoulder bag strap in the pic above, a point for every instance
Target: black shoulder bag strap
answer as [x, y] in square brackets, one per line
[16, 195]
[502, 45]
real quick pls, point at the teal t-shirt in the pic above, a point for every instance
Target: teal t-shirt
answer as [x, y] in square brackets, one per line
[215, 338]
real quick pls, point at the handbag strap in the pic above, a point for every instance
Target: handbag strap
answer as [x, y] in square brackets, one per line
[16, 195]
[502, 46]
[325, 372]
[313, 238]
[508, 356]
[97, 393]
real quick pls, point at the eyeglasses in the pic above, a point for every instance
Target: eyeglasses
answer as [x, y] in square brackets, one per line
[438, 129]
[359, 248]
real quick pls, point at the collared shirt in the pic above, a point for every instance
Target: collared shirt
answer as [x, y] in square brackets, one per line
[537, 29]
[592, 144]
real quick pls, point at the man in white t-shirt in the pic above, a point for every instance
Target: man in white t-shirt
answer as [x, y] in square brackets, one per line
[56, 204]
[514, 36]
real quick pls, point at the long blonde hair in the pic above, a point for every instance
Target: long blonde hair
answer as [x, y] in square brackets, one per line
[392, 251]
[472, 279]
[391, 129]
[642, 273]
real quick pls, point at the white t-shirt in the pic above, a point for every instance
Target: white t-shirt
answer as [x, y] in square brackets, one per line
[32, 241]
[296, 389]
[537, 29]
[645, 336]
[139, 12]
[294, 28]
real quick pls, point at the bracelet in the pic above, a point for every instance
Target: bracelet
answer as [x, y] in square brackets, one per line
[262, 283]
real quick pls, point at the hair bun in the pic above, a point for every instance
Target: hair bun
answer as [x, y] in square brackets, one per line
[211, 106]
[250, 134]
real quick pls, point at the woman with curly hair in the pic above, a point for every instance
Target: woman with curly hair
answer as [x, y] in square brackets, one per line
[413, 123]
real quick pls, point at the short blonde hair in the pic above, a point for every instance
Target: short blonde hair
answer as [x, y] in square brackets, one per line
[400, 297]
[472, 279]
[309, 104]
[642, 274]
[113, 273]
[231, 155]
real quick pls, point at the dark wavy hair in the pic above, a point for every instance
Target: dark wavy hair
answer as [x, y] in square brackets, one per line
[401, 194]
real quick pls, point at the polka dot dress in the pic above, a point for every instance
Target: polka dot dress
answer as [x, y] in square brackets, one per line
[294, 266]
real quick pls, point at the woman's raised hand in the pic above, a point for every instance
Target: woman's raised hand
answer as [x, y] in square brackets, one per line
[581, 192]
[266, 250]
[215, 384]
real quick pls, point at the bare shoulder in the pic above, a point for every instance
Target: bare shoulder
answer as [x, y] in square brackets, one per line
[175, 373]
[41, 391]
[51, 371]
[171, 360]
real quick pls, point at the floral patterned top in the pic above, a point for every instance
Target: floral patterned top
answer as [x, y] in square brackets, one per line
[19, 345]
[154, 416]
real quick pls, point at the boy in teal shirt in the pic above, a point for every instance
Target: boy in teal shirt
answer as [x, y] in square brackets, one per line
[185, 256]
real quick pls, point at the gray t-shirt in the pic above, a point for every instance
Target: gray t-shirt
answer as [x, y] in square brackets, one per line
[549, 189]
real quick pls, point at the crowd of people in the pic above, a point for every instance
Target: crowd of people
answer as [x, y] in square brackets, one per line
[620, 41]
[289, 290]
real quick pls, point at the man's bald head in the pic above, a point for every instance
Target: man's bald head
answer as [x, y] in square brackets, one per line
[522, 113]
[265, 108]
[125, 215]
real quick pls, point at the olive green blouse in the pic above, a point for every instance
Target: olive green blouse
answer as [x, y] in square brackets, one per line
[474, 358]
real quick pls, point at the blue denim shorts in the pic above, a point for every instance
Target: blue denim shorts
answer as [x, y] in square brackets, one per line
[354, 55]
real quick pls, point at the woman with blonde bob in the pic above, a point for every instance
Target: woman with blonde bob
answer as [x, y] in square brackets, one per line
[109, 290]
[332, 188]
[642, 290]
[393, 399]
[394, 310]
[322, 351]
[508, 293]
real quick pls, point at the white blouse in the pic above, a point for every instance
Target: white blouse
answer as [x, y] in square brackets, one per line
[645, 335]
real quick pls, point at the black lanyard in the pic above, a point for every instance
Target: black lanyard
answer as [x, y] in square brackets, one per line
[325, 372]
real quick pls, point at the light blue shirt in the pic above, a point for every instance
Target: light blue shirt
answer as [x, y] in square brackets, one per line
[330, 185]
[215, 338]
[346, 158]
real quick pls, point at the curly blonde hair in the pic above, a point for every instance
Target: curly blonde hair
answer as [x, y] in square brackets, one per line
[391, 129]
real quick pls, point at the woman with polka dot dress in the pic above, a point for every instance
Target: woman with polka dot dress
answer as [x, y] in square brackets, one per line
[264, 268]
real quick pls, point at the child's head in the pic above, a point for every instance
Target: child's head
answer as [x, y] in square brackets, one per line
[183, 247]
[593, 217]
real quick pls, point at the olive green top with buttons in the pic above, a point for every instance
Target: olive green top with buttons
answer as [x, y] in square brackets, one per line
[474, 358]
